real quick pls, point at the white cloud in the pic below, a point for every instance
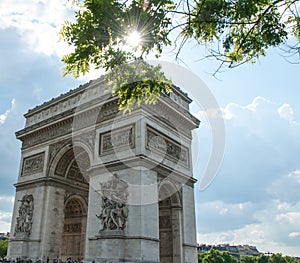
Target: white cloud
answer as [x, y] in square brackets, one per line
[9, 199]
[273, 230]
[232, 215]
[234, 110]
[6, 204]
[5, 219]
[294, 234]
[286, 187]
[3, 116]
[253, 234]
[286, 112]
[258, 103]
[38, 23]
[258, 183]
[289, 218]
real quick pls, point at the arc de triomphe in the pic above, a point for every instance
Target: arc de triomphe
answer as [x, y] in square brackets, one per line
[98, 185]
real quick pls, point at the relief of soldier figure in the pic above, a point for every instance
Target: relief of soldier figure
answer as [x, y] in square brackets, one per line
[114, 212]
[24, 220]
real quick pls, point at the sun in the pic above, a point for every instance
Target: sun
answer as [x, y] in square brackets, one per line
[133, 39]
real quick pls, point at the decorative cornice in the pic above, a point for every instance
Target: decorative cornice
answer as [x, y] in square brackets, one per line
[64, 102]
[51, 181]
[144, 161]
[124, 237]
[45, 134]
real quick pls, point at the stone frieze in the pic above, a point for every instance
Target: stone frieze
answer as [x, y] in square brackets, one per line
[33, 164]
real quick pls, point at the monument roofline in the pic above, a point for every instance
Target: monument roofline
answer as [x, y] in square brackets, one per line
[86, 93]
[82, 87]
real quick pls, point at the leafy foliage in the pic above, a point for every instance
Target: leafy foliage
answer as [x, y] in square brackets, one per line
[3, 248]
[137, 82]
[262, 259]
[248, 259]
[99, 33]
[235, 32]
[215, 256]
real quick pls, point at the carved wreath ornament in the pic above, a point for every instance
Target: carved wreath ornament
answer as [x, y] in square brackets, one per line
[114, 211]
[24, 220]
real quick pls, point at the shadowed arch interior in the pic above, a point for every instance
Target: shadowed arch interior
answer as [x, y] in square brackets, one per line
[72, 167]
[73, 239]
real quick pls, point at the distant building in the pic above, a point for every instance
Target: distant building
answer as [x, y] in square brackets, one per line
[4, 236]
[237, 251]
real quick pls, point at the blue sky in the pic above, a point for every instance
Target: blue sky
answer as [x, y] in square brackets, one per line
[255, 197]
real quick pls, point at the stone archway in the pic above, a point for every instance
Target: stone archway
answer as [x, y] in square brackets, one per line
[72, 166]
[82, 132]
[73, 239]
[169, 224]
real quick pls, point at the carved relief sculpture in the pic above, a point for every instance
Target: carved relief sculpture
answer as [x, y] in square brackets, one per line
[114, 212]
[33, 164]
[24, 220]
[117, 139]
[166, 146]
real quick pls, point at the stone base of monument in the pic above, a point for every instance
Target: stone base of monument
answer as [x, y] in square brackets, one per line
[120, 248]
[111, 233]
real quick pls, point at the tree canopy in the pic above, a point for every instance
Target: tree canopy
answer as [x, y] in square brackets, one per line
[215, 256]
[3, 248]
[234, 31]
[110, 33]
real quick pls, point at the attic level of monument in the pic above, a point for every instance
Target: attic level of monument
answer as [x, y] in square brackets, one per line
[100, 186]
[93, 91]
[92, 104]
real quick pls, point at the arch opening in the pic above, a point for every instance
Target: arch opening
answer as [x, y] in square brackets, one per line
[169, 224]
[72, 168]
[73, 238]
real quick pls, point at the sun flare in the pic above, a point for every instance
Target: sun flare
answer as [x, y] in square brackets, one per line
[133, 39]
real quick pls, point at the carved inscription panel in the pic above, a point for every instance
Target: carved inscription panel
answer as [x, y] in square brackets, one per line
[33, 164]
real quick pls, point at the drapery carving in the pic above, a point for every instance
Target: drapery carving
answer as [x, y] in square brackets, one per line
[114, 212]
[24, 220]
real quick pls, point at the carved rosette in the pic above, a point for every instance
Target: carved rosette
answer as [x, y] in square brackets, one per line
[114, 211]
[24, 220]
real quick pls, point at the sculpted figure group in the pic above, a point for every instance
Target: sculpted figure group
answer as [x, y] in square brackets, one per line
[24, 220]
[114, 212]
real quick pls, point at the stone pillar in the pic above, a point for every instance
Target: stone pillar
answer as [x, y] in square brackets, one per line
[138, 241]
[189, 225]
[53, 223]
[44, 238]
[177, 234]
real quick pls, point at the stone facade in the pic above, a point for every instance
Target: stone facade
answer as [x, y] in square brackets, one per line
[98, 185]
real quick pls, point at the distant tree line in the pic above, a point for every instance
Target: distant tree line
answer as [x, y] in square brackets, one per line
[215, 256]
[3, 248]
